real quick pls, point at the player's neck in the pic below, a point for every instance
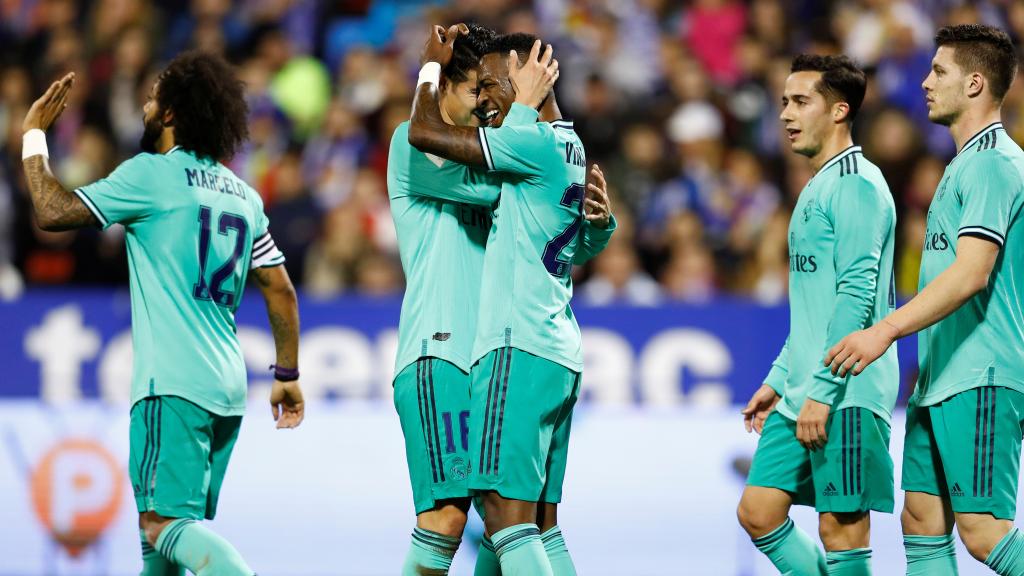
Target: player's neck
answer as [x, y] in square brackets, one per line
[549, 111]
[839, 140]
[972, 121]
[166, 141]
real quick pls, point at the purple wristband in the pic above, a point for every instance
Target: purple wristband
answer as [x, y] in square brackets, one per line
[285, 374]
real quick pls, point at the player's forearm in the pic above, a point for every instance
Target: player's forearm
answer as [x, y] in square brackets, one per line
[56, 208]
[940, 298]
[428, 131]
[283, 315]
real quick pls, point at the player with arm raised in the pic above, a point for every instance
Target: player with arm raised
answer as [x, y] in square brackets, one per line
[527, 353]
[194, 231]
[961, 456]
[824, 440]
[442, 213]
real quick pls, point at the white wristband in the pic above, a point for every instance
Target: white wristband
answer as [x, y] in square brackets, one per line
[32, 143]
[431, 73]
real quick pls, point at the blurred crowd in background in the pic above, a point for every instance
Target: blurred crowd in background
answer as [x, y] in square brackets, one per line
[677, 101]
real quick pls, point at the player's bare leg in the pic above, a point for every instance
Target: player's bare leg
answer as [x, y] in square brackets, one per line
[927, 534]
[554, 543]
[764, 514]
[436, 538]
[847, 540]
[185, 543]
[981, 533]
[507, 522]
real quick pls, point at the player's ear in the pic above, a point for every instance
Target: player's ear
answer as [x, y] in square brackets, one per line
[167, 117]
[840, 110]
[975, 84]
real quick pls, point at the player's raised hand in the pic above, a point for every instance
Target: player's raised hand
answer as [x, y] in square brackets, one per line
[858, 350]
[760, 406]
[810, 424]
[286, 404]
[533, 80]
[50, 105]
[598, 205]
[440, 44]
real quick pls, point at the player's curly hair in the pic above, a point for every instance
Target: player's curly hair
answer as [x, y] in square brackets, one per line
[208, 103]
[841, 79]
[983, 49]
[521, 42]
[466, 52]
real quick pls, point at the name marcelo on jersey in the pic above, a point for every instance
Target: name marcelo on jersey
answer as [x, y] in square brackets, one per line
[224, 185]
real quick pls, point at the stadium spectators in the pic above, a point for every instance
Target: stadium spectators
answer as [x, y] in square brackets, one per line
[677, 101]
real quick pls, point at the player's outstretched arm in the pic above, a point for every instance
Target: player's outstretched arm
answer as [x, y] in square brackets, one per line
[286, 400]
[56, 208]
[968, 275]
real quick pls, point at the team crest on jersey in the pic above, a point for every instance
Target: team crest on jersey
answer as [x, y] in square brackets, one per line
[458, 469]
[942, 188]
[807, 210]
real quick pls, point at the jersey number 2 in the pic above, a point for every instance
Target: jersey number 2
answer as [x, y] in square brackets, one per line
[557, 267]
[211, 290]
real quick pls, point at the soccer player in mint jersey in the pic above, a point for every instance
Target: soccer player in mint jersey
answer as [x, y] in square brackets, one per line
[194, 232]
[442, 213]
[824, 441]
[961, 456]
[527, 360]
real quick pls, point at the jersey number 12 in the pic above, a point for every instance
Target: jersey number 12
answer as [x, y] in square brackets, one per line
[212, 289]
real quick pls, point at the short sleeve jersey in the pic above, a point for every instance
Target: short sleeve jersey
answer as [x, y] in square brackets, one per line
[533, 241]
[841, 239]
[442, 214]
[982, 342]
[193, 230]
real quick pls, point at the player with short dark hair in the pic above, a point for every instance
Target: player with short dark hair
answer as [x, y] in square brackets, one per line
[527, 352]
[961, 456]
[194, 232]
[825, 440]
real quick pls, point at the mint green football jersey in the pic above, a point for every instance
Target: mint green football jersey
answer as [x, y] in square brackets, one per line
[841, 239]
[538, 233]
[982, 342]
[193, 231]
[442, 215]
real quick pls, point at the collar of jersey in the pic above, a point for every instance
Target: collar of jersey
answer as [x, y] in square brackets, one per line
[562, 124]
[846, 152]
[173, 148]
[974, 139]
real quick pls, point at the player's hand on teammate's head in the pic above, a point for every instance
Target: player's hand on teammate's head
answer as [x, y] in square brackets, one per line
[286, 404]
[760, 406]
[50, 105]
[534, 79]
[598, 205]
[440, 43]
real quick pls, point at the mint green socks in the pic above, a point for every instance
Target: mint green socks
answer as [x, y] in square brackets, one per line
[558, 554]
[193, 546]
[429, 553]
[1007, 558]
[486, 559]
[856, 562]
[521, 552]
[931, 555]
[792, 551]
[153, 564]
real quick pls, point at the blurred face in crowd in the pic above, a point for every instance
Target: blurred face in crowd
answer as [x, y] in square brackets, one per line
[806, 114]
[152, 121]
[945, 88]
[458, 100]
[496, 93]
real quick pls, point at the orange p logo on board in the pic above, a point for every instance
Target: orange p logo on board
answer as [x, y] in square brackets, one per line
[76, 492]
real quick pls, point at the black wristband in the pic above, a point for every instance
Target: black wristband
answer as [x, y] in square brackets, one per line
[285, 374]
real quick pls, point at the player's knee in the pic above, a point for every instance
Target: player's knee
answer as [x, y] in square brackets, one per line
[919, 519]
[152, 524]
[844, 531]
[981, 533]
[448, 520]
[757, 520]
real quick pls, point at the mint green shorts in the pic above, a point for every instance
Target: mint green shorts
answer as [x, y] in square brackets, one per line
[432, 400]
[967, 447]
[178, 456]
[852, 473]
[520, 420]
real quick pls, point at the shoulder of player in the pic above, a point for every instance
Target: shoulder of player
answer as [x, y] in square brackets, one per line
[866, 185]
[1006, 161]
